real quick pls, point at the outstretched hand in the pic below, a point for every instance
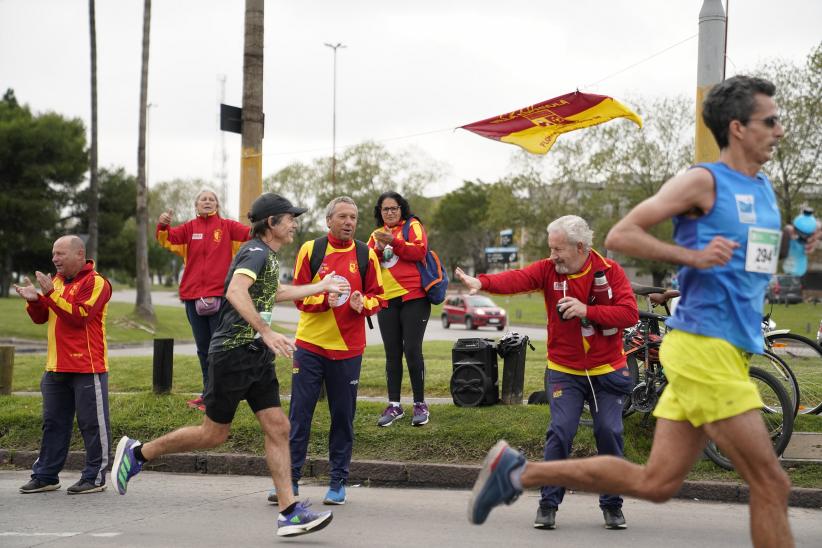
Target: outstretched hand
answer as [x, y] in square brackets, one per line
[473, 284]
[330, 284]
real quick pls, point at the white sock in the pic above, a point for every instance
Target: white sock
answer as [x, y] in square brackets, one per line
[394, 403]
[516, 477]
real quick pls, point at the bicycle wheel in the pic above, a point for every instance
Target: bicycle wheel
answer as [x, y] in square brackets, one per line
[804, 357]
[778, 423]
[777, 367]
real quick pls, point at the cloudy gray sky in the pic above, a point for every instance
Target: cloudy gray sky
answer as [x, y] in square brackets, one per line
[411, 71]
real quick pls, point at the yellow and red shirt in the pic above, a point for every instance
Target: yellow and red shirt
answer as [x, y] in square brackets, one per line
[76, 314]
[336, 332]
[207, 244]
[568, 350]
[400, 276]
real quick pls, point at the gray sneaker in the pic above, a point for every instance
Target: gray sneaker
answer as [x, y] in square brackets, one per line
[614, 518]
[390, 414]
[546, 518]
[272, 494]
[38, 486]
[82, 487]
[421, 414]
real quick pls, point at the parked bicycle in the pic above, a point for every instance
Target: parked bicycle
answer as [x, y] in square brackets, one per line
[642, 349]
[803, 358]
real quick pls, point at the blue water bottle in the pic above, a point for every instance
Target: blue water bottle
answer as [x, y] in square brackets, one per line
[796, 263]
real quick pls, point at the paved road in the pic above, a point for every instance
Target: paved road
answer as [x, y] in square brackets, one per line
[288, 316]
[197, 510]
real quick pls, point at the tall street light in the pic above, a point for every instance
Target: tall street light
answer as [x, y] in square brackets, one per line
[334, 119]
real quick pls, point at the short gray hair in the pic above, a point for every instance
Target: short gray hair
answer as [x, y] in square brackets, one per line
[203, 191]
[576, 230]
[329, 210]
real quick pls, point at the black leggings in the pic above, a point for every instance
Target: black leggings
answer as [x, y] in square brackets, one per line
[402, 325]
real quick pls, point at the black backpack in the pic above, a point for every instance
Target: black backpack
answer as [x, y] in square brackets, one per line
[318, 254]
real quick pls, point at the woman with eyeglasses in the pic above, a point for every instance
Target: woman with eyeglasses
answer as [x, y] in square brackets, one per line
[403, 321]
[207, 243]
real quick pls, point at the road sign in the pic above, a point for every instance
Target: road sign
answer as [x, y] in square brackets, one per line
[506, 237]
[501, 255]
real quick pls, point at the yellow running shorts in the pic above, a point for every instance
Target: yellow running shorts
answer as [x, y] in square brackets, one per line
[707, 380]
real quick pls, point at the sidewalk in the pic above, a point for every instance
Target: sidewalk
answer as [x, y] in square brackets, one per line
[388, 473]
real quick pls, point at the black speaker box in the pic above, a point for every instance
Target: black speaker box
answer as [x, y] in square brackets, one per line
[475, 374]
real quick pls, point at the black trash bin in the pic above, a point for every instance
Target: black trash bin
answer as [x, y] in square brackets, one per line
[511, 348]
[474, 379]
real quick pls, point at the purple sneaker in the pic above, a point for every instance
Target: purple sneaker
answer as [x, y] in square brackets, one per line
[126, 465]
[301, 521]
[421, 414]
[391, 413]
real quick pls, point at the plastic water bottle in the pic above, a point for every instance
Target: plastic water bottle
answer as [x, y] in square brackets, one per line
[603, 296]
[796, 263]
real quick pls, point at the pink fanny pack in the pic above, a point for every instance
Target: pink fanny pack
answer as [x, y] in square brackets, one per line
[208, 306]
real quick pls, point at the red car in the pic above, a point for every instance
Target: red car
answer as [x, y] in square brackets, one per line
[474, 311]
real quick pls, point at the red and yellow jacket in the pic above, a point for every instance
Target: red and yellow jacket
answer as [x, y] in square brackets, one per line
[568, 350]
[207, 244]
[400, 276]
[76, 313]
[337, 333]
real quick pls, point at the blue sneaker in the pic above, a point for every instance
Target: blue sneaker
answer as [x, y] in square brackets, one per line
[493, 486]
[301, 521]
[126, 465]
[335, 496]
[272, 495]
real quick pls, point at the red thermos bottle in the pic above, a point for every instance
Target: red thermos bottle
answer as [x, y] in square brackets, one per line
[602, 296]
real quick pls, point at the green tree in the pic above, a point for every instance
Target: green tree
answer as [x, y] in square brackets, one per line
[42, 162]
[459, 226]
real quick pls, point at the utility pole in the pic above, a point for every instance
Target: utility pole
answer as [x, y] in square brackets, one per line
[710, 71]
[251, 159]
[335, 47]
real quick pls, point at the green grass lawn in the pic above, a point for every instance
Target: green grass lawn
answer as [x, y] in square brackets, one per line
[134, 374]
[121, 325]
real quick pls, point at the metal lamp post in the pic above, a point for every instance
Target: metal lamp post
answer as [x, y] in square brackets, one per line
[334, 119]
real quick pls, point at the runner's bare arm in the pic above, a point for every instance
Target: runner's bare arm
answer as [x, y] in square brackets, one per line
[693, 189]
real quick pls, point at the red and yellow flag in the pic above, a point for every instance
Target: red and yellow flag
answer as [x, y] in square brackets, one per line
[535, 128]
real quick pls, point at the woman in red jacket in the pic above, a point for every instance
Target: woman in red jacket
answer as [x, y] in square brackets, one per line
[207, 244]
[403, 320]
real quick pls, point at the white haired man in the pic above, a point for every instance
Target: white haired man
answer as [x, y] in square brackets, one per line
[585, 358]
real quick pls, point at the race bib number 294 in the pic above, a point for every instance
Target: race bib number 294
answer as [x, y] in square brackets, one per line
[762, 253]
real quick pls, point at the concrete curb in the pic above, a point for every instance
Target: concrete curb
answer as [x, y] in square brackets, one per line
[400, 474]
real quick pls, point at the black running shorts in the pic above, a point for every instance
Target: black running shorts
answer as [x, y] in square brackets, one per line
[243, 373]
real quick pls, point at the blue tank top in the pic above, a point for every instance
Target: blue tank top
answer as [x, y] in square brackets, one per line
[726, 301]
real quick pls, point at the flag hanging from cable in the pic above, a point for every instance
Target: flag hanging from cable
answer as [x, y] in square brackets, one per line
[535, 128]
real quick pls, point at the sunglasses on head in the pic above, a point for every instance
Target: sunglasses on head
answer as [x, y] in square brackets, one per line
[770, 121]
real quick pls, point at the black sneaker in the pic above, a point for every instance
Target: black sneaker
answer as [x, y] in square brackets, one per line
[546, 518]
[37, 486]
[614, 518]
[84, 486]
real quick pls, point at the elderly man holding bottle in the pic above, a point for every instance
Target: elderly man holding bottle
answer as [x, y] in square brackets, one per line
[588, 301]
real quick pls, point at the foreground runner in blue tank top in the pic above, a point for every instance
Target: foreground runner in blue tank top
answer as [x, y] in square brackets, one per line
[726, 301]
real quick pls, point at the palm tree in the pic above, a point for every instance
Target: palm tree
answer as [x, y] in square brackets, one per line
[94, 198]
[143, 307]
